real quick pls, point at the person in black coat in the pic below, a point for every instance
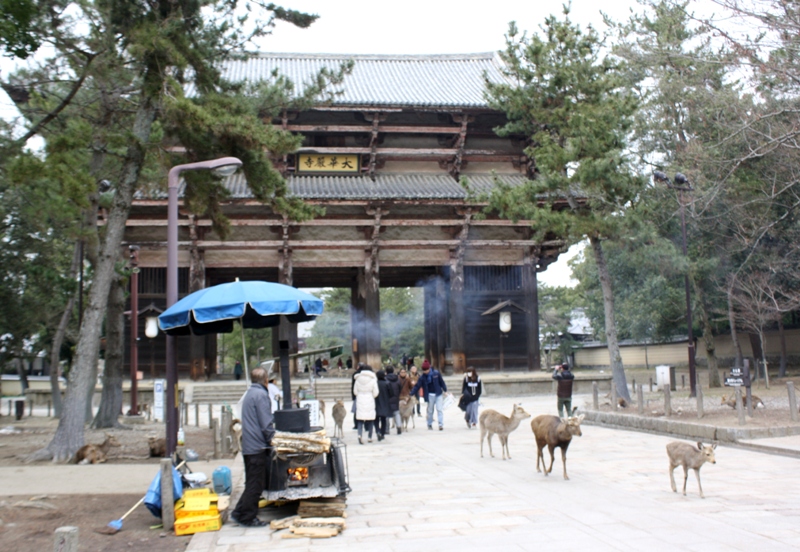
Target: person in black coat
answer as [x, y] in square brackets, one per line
[382, 404]
[352, 383]
[394, 396]
[470, 395]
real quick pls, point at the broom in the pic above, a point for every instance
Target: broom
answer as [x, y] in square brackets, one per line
[115, 526]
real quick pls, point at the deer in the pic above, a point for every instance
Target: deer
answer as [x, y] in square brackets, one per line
[96, 454]
[339, 414]
[491, 422]
[684, 454]
[158, 447]
[554, 432]
[407, 412]
[757, 402]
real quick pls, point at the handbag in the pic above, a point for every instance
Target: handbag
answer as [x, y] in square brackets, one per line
[462, 403]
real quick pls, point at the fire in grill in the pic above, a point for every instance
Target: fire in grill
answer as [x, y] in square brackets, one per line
[297, 476]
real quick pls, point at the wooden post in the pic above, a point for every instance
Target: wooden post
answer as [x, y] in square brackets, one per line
[683, 381]
[30, 408]
[613, 395]
[210, 417]
[651, 384]
[167, 497]
[739, 407]
[196, 415]
[49, 404]
[225, 431]
[633, 384]
[667, 401]
[640, 399]
[66, 539]
[215, 437]
[595, 402]
[699, 389]
[792, 400]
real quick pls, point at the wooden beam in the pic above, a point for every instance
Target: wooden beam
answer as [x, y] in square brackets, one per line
[353, 244]
[278, 223]
[398, 151]
[402, 129]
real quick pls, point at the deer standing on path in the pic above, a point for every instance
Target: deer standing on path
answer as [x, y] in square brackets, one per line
[554, 432]
[339, 414]
[684, 454]
[491, 422]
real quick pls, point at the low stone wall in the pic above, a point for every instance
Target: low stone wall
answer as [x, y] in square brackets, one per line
[688, 430]
[527, 383]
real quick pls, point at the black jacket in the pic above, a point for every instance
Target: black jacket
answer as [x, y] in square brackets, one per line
[394, 391]
[382, 401]
[471, 390]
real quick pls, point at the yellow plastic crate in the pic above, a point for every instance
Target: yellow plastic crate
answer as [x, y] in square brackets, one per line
[200, 524]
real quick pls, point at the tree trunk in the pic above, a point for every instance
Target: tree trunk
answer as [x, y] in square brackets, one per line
[732, 323]
[23, 374]
[614, 355]
[69, 434]
[782, 334]
[708, 339]
[58, 338]
[111, 398]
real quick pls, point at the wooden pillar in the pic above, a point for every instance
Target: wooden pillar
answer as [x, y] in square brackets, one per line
[286, 330]
[457, 318]
[429, 310]
[371, 351]
[439, 356]
[357, 324]
[529, 285]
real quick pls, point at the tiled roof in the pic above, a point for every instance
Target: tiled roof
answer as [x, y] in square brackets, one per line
[385, 186]
[454, 80]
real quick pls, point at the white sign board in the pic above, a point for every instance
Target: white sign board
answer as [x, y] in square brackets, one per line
[313, 411]
[159, 386]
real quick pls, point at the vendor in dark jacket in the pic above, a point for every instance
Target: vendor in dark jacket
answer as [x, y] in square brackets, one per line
[564, 391]
[257, 432]
[383, 407]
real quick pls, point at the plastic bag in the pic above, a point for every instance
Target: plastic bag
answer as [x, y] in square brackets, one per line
[152, 499]
[448, 400]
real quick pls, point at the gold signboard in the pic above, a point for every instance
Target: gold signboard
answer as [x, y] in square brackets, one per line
[315, 163]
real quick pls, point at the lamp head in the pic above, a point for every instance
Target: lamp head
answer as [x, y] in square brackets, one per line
[151, 326]
[225, 166]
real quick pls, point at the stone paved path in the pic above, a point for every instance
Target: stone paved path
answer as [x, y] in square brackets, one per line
[431, 490]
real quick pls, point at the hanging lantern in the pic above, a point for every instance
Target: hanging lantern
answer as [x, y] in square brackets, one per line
[505, 321]
[151, 326]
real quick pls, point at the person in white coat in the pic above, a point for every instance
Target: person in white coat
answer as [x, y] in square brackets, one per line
[365, 389]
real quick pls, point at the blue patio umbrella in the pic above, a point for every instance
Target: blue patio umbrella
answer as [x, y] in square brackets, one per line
[254, 304]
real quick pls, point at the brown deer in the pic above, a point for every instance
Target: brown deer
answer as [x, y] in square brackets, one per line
[158, 447]
[491, 422]
[339, 414]
[96, 454]
[554, 432]
[757, 402]
[684, 454]
[407, 407]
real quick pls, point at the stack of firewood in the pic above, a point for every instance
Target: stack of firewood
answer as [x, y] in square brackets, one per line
[290, 443]
[318, 519]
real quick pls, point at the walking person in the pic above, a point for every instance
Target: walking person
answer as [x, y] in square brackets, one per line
[470, 394]
[383, 407]
[395, 389]
[237, 371]
[432, 385]
[564, 390]
[353, 390]
[413, 375]
[365, 390]
[257, 432]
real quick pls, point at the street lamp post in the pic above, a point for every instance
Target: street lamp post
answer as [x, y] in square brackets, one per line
[224, 166]
[134, 258]
[681, 184]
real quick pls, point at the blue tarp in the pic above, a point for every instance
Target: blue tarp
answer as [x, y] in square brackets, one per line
[152, 499]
